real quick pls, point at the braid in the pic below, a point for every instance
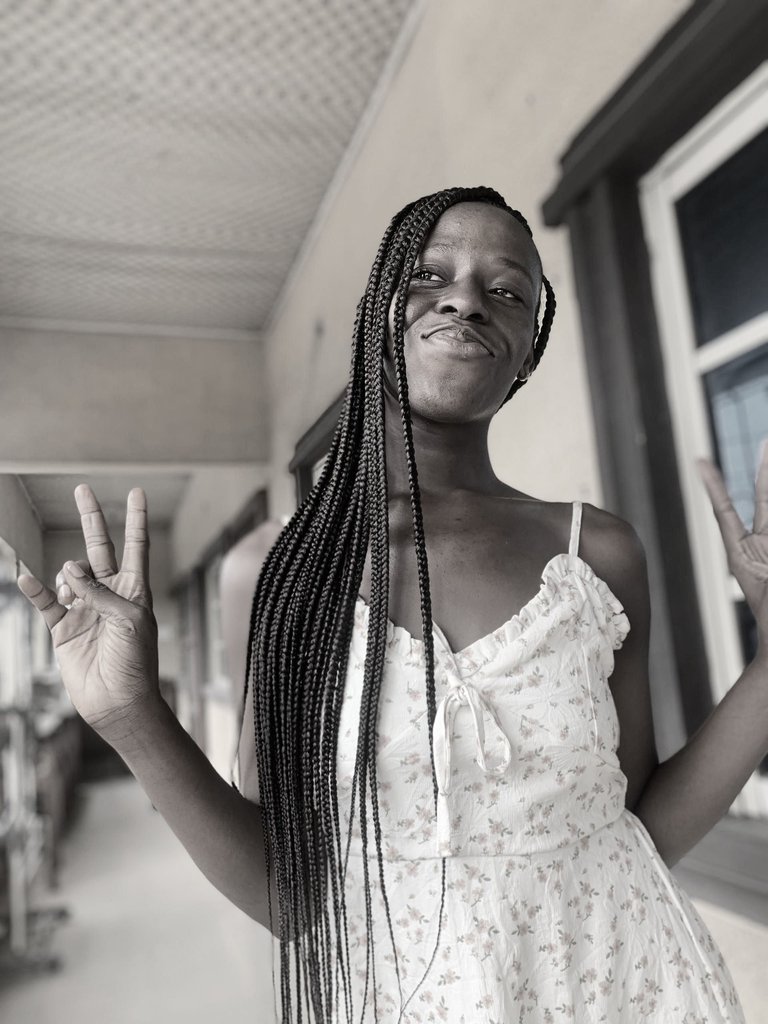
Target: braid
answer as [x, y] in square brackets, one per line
[542, 336]
[300, 634]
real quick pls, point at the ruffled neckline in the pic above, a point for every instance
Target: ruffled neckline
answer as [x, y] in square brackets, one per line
[518, 625]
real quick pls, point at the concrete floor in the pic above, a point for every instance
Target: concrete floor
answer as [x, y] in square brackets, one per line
[151, 942]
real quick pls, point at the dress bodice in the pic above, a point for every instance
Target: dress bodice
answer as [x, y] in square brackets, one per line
[526, 733]
[556, 904]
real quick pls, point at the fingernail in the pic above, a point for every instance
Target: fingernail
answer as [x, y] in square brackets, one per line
[74, 569]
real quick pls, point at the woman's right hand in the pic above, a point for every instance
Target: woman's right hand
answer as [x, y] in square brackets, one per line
[106, 640]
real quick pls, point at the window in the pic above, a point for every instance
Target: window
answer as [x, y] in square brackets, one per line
[216, 673]
[14, 670]
[722, 223]
[312, 449]
[706, 223]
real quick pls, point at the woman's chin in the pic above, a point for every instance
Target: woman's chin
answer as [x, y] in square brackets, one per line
[450, 406]
[446, 401]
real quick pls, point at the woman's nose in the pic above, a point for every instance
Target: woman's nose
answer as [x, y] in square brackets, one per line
[464, 299]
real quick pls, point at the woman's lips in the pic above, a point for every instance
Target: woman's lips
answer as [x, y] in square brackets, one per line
[459, 340]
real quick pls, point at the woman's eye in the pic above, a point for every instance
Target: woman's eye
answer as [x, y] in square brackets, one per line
[506, 292]
[423, 274]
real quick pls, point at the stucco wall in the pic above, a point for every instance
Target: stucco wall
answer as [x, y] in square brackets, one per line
[18, 526]
[114, 398]
[212, 499]
[487, 93]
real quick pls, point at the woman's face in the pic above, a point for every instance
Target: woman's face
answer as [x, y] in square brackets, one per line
[469, 315]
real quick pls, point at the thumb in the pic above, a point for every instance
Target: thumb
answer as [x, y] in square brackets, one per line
[95, 594]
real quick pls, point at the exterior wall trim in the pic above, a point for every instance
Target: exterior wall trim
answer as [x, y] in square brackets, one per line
[704, 56]
[700, 59]
[312, 445]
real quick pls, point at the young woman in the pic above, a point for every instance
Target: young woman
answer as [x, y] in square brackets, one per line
[456, 804]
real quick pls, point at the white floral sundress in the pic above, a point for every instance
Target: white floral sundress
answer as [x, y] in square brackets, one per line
[558, 906]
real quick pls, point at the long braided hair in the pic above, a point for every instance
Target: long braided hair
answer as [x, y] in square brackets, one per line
[301, 630]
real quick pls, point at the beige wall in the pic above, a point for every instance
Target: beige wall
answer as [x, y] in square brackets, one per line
[18, 526]
[488, 93]
[212, 499]
[96, 398]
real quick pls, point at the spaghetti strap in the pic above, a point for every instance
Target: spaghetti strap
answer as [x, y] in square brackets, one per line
[573, 547]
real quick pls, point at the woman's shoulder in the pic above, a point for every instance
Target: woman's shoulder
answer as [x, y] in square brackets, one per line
[609, 545]
[613, 549]
[608, 532]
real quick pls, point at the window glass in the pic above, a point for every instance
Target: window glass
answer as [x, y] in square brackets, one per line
[737, 395]
[737, 399]
[317, 469]
[216, 665]
[723, 224]
[9, 598]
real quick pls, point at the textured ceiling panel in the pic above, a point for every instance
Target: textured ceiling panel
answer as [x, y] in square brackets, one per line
[53, 497]
[162, 161]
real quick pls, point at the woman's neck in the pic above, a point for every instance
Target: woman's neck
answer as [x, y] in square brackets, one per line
[449, 456]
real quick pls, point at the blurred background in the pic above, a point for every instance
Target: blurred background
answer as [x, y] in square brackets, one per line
[191, 195]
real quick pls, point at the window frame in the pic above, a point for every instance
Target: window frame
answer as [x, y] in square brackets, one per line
[729, 127]
[703, 57]
[312, 447]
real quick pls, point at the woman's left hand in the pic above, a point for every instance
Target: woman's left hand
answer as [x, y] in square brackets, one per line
[746, 550]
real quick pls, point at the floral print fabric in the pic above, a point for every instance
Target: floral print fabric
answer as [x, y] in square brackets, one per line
[558, 907]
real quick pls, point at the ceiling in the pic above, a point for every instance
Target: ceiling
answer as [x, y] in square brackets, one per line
[163, 159]
[52, 496]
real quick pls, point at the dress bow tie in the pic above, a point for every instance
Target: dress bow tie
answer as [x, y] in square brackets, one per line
[463, 694]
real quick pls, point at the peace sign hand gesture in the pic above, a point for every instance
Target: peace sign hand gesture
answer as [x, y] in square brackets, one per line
[747, 551]
[106, 641]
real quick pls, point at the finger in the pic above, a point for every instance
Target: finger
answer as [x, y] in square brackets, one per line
[136, 550]
[98, 543]
[63, 589]
[760, 522]
[97, 595]
[728, 519]
[42, 598]
[84, 565]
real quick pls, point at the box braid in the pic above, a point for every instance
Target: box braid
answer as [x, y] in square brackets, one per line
[300, 634]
